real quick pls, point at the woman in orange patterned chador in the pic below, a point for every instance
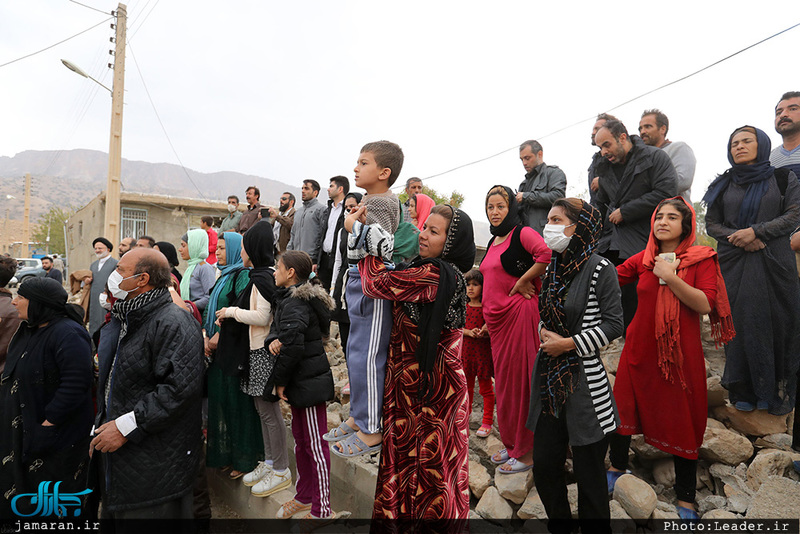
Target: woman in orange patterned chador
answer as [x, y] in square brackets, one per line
[423, 473]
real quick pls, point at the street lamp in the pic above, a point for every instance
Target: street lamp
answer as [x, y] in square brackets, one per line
[74, 68]
[111, 229]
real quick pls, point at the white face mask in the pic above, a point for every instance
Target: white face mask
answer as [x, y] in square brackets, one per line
[104, 301]
[114, 279]
[554, 237]
[231, 208]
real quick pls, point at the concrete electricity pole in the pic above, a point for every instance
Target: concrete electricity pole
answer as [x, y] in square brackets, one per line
[111, 230]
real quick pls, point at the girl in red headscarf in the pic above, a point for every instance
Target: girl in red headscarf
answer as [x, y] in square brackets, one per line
[660, 386]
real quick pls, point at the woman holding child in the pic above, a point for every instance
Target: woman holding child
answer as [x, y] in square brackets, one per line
[515, 260]
[423, 472]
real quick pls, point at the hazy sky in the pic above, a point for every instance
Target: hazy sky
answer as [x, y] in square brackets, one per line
[292, 90]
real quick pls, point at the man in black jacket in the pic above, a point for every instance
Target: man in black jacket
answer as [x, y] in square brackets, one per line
[333, 221]
[633, 179]
[149, 395]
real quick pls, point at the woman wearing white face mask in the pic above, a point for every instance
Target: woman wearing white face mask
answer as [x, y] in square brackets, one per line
[515, 260]
[571, 402]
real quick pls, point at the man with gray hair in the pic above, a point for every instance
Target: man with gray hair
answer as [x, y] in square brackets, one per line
[653, 128]
[413, 186]
[543, 185]
[148, 425]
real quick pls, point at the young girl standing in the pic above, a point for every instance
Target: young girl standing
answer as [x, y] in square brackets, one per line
[476, 352]
[303, 378]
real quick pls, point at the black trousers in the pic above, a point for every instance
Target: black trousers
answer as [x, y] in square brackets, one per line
[344, 334]
[549, 456]
[630, 300]
[685, 469]
[325, 269]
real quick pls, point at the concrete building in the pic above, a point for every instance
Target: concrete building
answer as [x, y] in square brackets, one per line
[165, 218]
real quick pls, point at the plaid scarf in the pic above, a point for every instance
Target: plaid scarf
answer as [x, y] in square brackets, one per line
[559, 374]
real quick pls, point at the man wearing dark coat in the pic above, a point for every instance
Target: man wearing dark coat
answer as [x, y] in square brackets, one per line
[543, 185]
[148, 423]
[633, 179]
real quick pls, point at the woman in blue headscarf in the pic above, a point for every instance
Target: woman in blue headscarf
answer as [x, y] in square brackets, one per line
[752, 209]
[234, 431]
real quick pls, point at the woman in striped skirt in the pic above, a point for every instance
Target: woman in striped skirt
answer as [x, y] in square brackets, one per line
[571, 402]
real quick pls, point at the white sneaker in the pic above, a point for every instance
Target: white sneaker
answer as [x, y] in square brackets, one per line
[272, 483]
[256, 475]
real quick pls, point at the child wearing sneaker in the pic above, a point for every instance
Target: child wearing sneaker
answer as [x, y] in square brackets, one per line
[476, 352]
[303, 378]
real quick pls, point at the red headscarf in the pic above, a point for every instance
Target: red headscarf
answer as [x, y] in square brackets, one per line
[670, 356]
[424, 205]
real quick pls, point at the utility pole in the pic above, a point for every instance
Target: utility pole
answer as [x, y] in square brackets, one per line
[111, 229]
[26, 221]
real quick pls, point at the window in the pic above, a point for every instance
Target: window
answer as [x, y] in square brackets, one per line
[134, 223]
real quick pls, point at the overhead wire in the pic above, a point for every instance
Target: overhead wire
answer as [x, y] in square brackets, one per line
[90, 7]
[55, 44]
[592, 117]
[137, 28]
[160, 122]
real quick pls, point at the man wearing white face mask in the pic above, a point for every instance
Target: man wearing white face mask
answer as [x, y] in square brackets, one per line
[149, 395]
[101, 269]
[231, 222]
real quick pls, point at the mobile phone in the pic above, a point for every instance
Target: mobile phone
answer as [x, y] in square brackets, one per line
[264, 213]
[668, 257]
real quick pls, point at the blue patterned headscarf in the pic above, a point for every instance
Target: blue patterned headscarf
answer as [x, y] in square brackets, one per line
[755, 176]
[233, 262]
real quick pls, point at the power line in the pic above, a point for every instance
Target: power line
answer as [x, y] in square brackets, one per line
[162, 124]
[90, 7]
[56, 44]
[673, 82]
[137, 28]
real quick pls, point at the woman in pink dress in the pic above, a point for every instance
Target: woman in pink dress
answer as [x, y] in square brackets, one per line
[516, 258]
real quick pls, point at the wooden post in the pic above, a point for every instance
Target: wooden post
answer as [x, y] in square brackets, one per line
[26, 220]
[111, 230]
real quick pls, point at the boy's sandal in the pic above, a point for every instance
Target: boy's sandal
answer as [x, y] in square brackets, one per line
[292, 507]
[516, 467]
[352, 446]
[503, 458]
[234, 474]
[338, 433]
[484, 431]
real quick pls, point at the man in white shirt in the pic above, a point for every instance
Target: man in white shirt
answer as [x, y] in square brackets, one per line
[334, 219]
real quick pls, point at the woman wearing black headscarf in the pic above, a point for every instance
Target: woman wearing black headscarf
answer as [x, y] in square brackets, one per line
[45, 397]
[168, 250]
[571, 404]
[253, 307]
[425, 412]
[752, 210]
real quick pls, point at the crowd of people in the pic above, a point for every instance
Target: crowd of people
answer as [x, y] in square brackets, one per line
[108, 395]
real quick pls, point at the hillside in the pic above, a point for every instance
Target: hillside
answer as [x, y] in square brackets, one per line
[73, 177]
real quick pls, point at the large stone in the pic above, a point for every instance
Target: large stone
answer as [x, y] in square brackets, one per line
[636, 497]
[755, 423]
[493, 506]
[767, 463]
[611, 361]
[621, 521]
[532, 508]
[775, 441]
[645, 450]
[479, 479]
[719, 513]
[334, 420]
[717, 395]
[486, 447]
[713, 423]
[724, 446]
[514, 487]
[664, 472]
[731, 481]
[777, 498]
[738, 500]
[712, 502]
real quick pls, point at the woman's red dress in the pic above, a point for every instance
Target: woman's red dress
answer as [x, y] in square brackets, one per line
[672, 419]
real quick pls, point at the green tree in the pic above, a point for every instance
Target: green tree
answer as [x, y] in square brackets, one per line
[51, 224]
[702, 237]
[455, 199]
